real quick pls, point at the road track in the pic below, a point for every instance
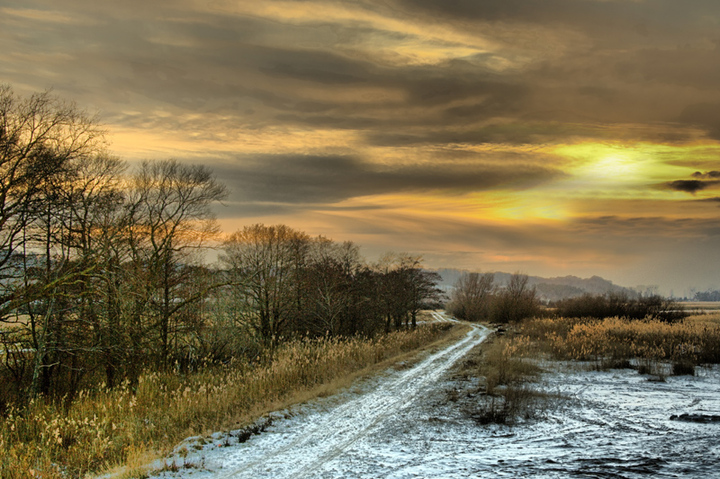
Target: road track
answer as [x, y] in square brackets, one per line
[307, 446]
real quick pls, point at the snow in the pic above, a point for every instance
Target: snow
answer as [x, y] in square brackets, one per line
[401, 425]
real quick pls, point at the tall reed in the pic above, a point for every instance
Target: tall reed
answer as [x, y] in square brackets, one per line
[694, 340]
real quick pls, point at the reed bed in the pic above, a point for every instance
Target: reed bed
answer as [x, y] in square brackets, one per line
[104, 428]
[694, 340]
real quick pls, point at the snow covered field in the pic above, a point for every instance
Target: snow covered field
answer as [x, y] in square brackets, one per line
[401, 425]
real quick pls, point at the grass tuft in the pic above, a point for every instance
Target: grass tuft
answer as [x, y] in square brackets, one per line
[505, 372]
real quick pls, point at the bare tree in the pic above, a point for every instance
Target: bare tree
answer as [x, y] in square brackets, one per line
[517, 301]
[264, 262]
[472, 296]
[39, 138]
[405, 288]
[168, 219]
[329, 283]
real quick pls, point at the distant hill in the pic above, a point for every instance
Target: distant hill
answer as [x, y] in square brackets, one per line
[549, 289]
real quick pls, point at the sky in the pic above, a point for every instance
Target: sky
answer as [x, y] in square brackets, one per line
[549, 137]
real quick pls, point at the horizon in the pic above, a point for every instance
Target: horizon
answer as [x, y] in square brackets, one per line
[551, 138]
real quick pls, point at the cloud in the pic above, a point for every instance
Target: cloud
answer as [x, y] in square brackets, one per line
[707, 175]
[704, 115]
[702, 181]
[688, 186]
[316, 179]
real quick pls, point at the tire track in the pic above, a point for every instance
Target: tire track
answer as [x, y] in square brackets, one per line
[308, 447]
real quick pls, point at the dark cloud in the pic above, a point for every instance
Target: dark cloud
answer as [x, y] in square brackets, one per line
[702, 181]
[260, 70]
[596, 17]
[528, 11]
[660, 228]
[508, 132]
[707, 175]
[690, 186]
[252, 209]
[328, 179]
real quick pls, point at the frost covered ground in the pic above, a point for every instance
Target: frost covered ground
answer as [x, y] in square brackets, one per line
[400, 424]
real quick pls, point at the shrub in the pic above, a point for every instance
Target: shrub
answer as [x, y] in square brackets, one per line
[683, 368]
[620, 305]
[507, 395]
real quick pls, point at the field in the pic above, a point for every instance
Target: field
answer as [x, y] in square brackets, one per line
[615, 341]
[548, 380]
[107, 428]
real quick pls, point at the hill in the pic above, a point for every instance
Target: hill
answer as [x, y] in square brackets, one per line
[549, 289]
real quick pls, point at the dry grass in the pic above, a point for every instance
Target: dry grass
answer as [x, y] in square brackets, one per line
[108, 428]
[505, 371]
[504, 363]
[612, 341]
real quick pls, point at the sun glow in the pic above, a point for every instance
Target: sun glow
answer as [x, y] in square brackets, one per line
[622, 171]
[614, 168]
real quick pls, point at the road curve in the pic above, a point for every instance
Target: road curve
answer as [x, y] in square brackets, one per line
[315, 442]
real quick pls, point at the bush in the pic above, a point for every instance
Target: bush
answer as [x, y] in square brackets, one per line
[621, 306]
[683, 368]
[507, 394]
[476, 298]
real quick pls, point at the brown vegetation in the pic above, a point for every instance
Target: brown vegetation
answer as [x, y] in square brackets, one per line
[619, 305]
[110, 427]
[616, 341]
[504, 393]
[477, 298]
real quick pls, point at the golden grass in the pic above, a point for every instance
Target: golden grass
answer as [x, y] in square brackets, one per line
[694, 340]
[109, 428]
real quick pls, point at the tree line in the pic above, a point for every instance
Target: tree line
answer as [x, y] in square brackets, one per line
[102, 275]
[476, 297]
[710, 295]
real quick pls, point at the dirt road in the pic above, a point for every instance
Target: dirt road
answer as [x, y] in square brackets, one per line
[358, 433]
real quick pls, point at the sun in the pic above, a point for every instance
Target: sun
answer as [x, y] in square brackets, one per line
[615, 168]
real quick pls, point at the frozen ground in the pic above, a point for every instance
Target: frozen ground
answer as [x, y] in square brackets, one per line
[401, 425]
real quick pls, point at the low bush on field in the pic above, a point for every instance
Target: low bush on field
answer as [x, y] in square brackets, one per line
[503, 363]
[106, 428]
[507, 373]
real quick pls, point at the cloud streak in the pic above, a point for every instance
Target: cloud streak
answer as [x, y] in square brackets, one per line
[331, 179]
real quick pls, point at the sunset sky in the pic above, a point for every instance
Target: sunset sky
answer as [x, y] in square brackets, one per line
[551, 137]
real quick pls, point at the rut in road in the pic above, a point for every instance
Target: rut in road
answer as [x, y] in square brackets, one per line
[326, 436]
